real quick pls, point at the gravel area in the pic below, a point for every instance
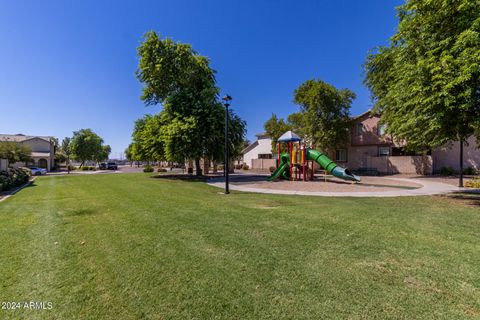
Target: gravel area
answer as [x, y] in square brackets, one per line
[368, 184]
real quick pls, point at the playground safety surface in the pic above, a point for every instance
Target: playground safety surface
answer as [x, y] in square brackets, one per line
[369, 187]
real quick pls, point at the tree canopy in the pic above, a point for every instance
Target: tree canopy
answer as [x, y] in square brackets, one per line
[323, 119]
[15, 152]
[275, 127]
[86, 145]
[326, 113]
[426, 82]
[191, 124]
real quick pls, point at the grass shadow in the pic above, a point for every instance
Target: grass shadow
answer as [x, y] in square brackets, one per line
[181, 177]
[471, 199]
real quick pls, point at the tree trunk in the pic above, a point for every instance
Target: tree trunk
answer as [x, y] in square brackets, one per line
[198, 170]
[206, 165]
[460, 182]
[215, 167]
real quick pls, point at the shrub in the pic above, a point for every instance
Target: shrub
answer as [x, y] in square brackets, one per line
[71, 168]
[220, 167]
[245, 166]
[272, 168]
[161, 170]
[87, 168]
[446, 171]
[470, 171]
[238, 166]
[148, 168]
[474, 183]
[13, 177]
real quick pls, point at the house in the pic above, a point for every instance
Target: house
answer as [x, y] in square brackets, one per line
[43, 149]
[258, 155]
[371, 149]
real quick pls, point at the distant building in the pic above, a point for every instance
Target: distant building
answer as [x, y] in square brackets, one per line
[43, 150]
[258, 155]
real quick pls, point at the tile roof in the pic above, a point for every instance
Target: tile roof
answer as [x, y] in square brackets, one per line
[20, 137]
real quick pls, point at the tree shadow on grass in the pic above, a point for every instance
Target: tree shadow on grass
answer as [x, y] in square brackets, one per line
[471, 199]
[181, 177]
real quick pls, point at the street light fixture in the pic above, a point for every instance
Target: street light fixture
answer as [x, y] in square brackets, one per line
[226, 103]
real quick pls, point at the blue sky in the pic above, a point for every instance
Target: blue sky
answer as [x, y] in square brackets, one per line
[67, 65]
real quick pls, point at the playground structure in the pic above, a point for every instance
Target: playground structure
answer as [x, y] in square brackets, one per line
[297, 163]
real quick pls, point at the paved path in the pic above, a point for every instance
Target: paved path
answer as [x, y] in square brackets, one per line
[428, 188]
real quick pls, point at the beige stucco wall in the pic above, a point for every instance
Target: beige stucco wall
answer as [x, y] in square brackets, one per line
[38, 145]
[449, 156]
[264, 147]
[402, 164]
[41, 145]
[263, 163]
[369, 135]
[359, 157]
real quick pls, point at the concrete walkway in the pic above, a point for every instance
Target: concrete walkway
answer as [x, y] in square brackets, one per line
[428, 188]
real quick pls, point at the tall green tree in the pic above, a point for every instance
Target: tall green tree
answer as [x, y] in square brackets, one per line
[324, 113]
[275, 127]
[103, 154]
[426, 82]
[86, 145]
[67, 151]
[147, 143]
[15, 152]
[182, 81]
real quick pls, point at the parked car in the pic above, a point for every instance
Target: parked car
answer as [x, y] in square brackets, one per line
[108, 166]
[112, 166]
[36, 171]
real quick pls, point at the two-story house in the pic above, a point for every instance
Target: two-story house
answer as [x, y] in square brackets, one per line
[43, 149]
[371, 149]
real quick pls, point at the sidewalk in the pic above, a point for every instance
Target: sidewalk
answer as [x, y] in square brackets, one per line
[428, 188]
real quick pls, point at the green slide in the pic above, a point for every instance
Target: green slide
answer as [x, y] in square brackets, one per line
[331, 166]
[283, 169]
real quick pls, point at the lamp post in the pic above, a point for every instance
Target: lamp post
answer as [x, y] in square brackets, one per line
[226, 103]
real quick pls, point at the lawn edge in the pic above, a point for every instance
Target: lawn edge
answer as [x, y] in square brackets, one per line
[13, 191]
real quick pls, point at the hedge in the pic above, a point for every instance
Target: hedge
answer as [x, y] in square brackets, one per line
[13, 177]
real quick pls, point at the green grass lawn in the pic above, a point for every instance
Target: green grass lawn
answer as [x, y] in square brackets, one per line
[126, 246]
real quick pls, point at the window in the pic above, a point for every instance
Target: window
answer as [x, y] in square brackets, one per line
[381, 129]
[341, 155]
[265, 156]
[383, 151]
[359, 129]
